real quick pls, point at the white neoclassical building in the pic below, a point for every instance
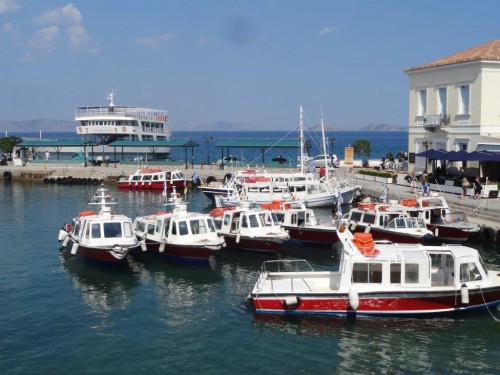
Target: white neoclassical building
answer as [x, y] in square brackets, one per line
[454, 103]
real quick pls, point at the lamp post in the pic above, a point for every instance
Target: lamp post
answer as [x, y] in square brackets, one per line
[332, 141]
[426, 144]
[207, 141]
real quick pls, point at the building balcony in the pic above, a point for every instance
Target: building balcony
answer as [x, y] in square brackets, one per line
[431, 122]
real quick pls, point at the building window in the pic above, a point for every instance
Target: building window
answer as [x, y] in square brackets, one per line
[464, 98]
[442, 100]
[422, 102]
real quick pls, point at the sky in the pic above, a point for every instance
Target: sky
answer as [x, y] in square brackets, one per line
[252, 62]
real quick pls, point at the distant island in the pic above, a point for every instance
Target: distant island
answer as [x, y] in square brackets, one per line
[52, 125]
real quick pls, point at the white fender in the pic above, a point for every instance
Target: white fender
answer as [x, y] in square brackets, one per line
[238, 238]
[65, 242]
[436, 232]
[353, 227]
[162, 247]
[353, 298]
[143, 244]
[368, 229]
[74, 248]
[464, 293]
[291, 301]
[62, 235]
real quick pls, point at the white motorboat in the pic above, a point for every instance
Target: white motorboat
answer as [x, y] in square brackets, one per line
[102, 236]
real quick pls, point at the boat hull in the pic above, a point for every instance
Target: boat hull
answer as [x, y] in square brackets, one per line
[379, 234]
[407, 304]
[312, 235]
[100, 254]
[255, 244]
[193, 253]
[451, 233]
[150, 185]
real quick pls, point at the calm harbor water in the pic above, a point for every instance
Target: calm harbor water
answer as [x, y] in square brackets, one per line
[62, 315]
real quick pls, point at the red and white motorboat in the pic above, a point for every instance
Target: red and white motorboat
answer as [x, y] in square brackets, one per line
[446, 225]
[387, 222]
[188, 236]
[380, 279]
[103, 236]
[249, 229]
[153, 178]
[301, 223]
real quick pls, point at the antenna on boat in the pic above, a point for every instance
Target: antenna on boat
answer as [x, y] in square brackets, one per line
[324, 145]
[110, 97]
[301, 140]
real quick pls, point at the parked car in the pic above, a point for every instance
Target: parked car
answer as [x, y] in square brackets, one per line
[332, 160]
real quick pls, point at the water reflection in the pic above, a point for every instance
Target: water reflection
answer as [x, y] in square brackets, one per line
[104, 288]
[396, 345]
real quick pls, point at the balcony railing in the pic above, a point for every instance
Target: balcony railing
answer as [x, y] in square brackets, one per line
[433, 121]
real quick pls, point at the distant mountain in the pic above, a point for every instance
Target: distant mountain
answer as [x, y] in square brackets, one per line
[217, 126]
[44, 124]
[317, 128]
[384, 128]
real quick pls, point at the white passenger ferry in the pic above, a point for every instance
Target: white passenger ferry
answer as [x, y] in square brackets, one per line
[107, 124]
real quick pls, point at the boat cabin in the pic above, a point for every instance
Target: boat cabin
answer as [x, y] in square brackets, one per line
[249, 222]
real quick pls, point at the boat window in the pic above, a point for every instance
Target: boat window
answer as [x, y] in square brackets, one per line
[369, 218]
[183, 228]
[469, 272]
[168, 176]
[411, 273]
[383, 220]
[76, 228]
[400, 222]
[158, 226]
[174, 229]
[155, 177]
[280, 217]
[244, 223]
[167, 227]
[391, 225]
[112, 230]
[146, 177]
[356, 216]
[151, 229]
[136, 178]
[367, 273]
[211, 225]
[127, 229]
[254, 223]
[227, 219]
[198, 226]
[139, 226]
[395, 273]
[96, 230]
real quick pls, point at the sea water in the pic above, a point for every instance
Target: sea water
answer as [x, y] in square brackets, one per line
[62, 315]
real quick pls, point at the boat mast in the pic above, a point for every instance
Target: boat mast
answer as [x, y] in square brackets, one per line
[301, 140]
[324, 146]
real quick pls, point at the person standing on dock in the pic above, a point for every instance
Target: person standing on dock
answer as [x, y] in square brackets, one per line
[47, 155]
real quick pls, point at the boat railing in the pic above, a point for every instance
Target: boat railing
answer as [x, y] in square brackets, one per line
[147, 114]
[287, 265]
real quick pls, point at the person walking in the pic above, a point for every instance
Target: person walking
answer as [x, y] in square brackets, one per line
[477, 188]
[413, 182]
[465, 185]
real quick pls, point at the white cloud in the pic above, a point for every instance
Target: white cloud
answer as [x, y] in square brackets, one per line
[8, 6]
[156, 41]
[205, 40]
[327, 30]
[71, 18]
[45, 40]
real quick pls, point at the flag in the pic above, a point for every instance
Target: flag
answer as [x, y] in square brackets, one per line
[164, 192]
[185, 186]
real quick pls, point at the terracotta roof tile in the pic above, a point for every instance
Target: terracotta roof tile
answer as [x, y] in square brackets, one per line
[485, 52]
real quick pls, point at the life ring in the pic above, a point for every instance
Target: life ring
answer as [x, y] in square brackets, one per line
[488, 235]
[80, 129]
[68, 227]
[124, 129]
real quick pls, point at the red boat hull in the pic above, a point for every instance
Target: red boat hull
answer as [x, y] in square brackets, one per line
[383, 235]
[450, 234]
[152, 185]
[98, 254]
[312, 235]
[408, 303]
[185, 253]
[254, 244]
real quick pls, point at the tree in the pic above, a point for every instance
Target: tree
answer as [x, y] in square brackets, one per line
[362, 147]
[8, 143]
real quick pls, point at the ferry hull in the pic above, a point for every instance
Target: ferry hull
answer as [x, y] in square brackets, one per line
[451, 234]
[384, 235]
[407, 304]
[182, 252]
